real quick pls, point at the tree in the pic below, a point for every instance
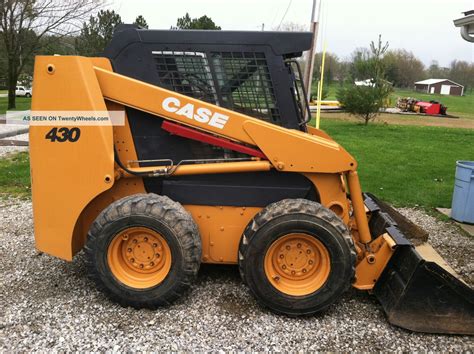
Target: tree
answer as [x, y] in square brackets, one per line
[462, 72]
[436, 72]
[403, 69]
[24, 24]
[358, 69]
[291, 27]
[97, 33]
[3, 66]
[365, 102]
[201, 23]
[141, 22]
[331, 67]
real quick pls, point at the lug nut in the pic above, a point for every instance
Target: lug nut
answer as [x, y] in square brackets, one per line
[124, 237]
[298, 245]
[157, 255]
[152, 264]
[310, 261]
[288, 247]
[155, 245]
[132, 260]
[141, 266]
[276, 278]
[293, 272]
[145, 239]
[308, 251]
[135, 240]
[281, 256]
[129, 250]
[283, 266]
[304, 270]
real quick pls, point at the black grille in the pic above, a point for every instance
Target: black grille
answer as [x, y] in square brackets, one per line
[245, 84]
[187, 73]
[236, 80]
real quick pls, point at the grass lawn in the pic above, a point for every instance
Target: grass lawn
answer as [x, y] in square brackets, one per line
[405, 165]
[22, 104]
[15, 175]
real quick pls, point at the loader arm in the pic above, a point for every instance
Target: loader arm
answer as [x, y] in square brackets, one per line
[295, 151]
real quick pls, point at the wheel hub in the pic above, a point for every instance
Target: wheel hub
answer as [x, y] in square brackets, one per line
[296, 259]
[297, 264]
[139, 257]
[143, 250]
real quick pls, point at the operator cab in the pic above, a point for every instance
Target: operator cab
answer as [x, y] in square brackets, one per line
[254, 73]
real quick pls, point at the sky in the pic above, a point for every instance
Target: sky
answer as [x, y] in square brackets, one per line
[424, 27]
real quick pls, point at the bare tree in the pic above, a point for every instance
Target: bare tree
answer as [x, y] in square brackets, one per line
[292, 27]
[25, 23]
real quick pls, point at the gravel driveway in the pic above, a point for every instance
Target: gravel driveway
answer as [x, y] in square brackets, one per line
[49, 304]
[4, 128]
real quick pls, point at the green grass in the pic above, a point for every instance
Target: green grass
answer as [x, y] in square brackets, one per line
[405, 165]
[22, 104]
[3, 91]
[15, 175]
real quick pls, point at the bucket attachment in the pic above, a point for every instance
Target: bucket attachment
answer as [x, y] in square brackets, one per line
[417, 293]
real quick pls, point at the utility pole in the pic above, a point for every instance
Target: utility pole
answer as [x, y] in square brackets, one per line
[308, 72]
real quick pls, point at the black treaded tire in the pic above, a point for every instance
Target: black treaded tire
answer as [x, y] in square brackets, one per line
[162, 215]
[296, 216]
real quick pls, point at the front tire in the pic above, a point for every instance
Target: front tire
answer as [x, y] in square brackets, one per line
[297, 257]
[143, 251]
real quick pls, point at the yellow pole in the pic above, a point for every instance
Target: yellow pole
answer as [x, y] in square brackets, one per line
[320, 88]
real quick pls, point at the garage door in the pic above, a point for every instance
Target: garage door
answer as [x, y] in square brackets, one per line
[445, 89]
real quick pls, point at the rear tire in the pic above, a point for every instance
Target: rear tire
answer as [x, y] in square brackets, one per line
[297, 257]
[143, 251]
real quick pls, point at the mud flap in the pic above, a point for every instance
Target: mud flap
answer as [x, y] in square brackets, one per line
[417, 294]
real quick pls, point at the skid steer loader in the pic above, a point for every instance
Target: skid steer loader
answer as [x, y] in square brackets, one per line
[215, 163]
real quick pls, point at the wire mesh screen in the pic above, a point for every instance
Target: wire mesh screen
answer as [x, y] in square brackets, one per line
[236, 80]
[187, 73]
[245, 84]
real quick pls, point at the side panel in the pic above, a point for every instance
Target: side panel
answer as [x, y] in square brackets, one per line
[256, 189]
[221, 228]
[67, 176]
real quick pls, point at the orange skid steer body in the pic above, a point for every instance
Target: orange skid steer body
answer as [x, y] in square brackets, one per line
[283, 204]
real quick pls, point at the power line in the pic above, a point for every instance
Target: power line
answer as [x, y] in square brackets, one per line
[274, 17]
[284, 15]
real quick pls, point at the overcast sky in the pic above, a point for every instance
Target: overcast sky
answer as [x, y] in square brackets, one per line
[424, 27]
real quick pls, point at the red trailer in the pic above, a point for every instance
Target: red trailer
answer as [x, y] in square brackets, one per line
[431, 108]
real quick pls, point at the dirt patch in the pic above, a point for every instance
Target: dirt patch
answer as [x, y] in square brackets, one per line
[399, 119]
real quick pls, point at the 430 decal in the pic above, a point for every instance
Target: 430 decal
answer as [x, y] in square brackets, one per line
[62, 135]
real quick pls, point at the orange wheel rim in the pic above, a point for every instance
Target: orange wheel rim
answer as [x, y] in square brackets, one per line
[139, 257]
[297, 264]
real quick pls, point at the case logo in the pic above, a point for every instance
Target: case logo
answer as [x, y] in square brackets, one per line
[199, 114]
